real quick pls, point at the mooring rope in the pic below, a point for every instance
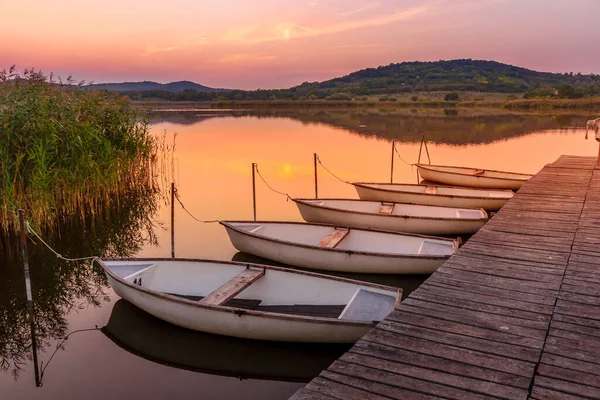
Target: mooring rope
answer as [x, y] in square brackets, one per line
[269, 186]
[399, 156]
[58, 255]
[190, 214]
[334, 175]
[58, 346]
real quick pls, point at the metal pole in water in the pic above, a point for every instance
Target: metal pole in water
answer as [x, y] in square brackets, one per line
[172, 219]
[316, 182]
[29, 295]
[254, 189]
[392, 169]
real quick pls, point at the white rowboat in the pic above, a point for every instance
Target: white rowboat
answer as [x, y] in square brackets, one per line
[331, 248]
[397, 217]
[251, 301]
[434, 195]
[472, 177]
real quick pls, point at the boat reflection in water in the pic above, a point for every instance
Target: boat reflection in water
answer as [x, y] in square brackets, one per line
[153, 339]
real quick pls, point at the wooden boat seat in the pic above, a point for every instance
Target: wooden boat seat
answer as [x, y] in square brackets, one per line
[334, 238]
[386, 208]
[232, 287]
[366, 305]
[479, 172]
[431, 189]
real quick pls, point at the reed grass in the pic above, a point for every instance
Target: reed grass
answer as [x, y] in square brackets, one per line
[63, 150]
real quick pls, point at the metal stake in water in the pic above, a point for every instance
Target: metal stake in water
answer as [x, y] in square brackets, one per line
[172, 219]
[29, 294]
[392, 169]
[254, 189]
[316, 157]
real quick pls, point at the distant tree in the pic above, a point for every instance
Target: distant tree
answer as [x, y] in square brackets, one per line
[414, 98]
[452, 96]
[384, 98]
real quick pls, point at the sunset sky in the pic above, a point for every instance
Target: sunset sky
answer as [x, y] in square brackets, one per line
[252, 44]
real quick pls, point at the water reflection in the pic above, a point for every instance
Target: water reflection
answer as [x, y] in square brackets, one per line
[153, 339]
[449, 126]
[60, 287]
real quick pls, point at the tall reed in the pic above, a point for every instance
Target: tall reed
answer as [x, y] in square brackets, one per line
[63, 149]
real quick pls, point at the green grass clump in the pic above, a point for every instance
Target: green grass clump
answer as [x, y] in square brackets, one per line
[63, 149]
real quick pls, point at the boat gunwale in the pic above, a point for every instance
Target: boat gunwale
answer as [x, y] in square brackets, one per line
[365, 185]
[428, 167]
[244, 311]
[227, 224]
[486, 218]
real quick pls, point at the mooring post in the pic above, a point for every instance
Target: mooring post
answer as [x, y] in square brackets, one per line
[172, 219]
[29, 295]
[392, 169]
[254, 189]
[316, 181]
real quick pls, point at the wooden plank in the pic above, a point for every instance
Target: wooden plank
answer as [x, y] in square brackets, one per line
[467, 342]
[518, 285]
[332, 389]
[536, 299]
[451, 310]
[534, 320]
[370, 390]
[377, 361]
[456, 292]
[481, 360]
[567, 387]
[570, 364]
[447, 366]
[404, 382]
[541, 393]
[431, 189]
[334, 238]
[386, 208]
[491, 332]
[233, 287]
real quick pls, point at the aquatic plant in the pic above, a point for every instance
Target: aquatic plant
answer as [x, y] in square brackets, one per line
[64, 150]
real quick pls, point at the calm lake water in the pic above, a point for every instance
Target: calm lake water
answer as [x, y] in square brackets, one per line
[134, 356]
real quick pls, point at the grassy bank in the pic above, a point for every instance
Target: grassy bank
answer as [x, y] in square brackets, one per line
[64, 150]
[586, 104]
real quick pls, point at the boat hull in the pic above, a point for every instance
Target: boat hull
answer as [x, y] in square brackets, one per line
[450, 178]
[367, 193]
[426, 226]
[328, 260]
[298, 287]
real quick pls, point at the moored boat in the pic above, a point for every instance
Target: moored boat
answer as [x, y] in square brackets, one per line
[397, 217]
[434, 195]
[331, 248]
[472, 177]
[251, 301]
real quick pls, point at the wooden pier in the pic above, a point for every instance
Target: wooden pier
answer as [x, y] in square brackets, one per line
[514, 314]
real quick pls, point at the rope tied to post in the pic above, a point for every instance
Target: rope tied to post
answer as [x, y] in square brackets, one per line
[58, 255]
[269, 186]
[176, 193]
[334, 175]
[400, 157]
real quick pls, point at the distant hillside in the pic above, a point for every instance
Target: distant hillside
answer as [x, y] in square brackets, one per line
[453, 75]
[407, 77]
[173, 87]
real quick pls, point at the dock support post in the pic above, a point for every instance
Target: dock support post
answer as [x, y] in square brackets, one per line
[172, 219]
[392, 168]
[29, 295]
[254, 189]
[316, 182]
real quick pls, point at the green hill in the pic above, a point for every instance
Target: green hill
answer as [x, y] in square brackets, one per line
[407, 77]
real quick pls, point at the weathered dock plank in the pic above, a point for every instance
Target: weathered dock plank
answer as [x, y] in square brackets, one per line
[514, 314]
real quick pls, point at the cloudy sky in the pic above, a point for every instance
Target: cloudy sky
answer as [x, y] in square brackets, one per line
[252, 44]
